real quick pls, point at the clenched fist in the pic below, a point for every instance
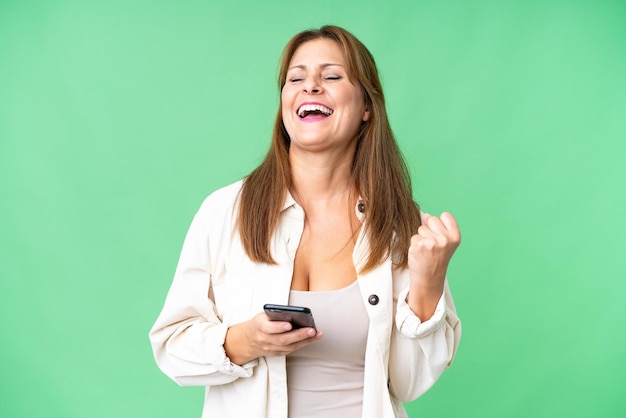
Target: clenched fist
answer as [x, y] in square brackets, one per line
[429, 255]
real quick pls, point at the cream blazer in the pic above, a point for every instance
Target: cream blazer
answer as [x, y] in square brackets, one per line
[216, 285]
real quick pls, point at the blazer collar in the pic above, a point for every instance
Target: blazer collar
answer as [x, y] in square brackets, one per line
[359, 208]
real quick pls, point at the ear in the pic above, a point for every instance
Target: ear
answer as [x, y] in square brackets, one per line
[367, 104]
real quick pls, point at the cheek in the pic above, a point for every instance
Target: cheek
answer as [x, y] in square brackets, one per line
[358, 107]
[287, 113]
[355, 99]
[285, 103]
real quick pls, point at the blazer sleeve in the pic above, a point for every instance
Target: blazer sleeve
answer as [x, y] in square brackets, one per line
[420, 351]
[188, 336]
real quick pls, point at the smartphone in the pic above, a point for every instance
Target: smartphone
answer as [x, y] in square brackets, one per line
[299, 316]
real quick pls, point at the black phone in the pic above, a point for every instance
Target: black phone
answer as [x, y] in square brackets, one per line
[299, 316]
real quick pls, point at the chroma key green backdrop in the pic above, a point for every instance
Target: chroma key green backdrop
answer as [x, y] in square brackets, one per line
[118, 117]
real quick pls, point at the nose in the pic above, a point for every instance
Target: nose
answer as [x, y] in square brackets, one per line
[312, 85]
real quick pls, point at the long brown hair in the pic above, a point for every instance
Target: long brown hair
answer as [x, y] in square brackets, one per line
[379, 174]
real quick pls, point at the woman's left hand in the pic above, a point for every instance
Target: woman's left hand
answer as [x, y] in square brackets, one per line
[429, 255]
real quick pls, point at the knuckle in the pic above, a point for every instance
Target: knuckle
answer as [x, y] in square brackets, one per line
[426, 244]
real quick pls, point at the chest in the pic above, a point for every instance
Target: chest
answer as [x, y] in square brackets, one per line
[323, 260]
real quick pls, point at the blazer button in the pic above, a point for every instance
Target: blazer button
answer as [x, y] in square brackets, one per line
[361, 206]
[373, 300]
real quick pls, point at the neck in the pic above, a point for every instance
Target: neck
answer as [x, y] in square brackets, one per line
[319, 179]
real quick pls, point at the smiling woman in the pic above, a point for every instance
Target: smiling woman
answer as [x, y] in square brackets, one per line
[328, 221]
[321, 107]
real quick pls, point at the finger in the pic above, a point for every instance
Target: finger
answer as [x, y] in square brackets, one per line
[291, 338]
[451, 225]
[283, 350]
[267, 326]
[420, 242]
[436, 225]
[425, 216]
[424, 231]
[311, 337]
[277, 327]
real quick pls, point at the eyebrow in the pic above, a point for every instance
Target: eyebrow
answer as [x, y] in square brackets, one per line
[302, 66]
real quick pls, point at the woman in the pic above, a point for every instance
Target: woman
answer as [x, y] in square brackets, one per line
[327, 220]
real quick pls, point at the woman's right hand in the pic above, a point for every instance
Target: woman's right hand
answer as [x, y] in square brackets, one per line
[260, 337]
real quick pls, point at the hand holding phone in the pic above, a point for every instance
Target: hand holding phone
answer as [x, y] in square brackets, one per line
[298, 316]
[258, 337]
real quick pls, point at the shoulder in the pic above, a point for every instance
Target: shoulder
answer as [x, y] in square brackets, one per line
[221, 202]
[225, 195]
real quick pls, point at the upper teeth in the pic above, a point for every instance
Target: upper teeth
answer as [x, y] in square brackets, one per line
[313, 107]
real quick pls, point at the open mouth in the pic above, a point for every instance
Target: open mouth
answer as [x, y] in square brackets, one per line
[312, 110]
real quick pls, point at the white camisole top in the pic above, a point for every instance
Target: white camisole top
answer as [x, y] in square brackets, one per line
[325, 378]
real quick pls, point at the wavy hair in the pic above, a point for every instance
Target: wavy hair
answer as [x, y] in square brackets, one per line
[379, 173]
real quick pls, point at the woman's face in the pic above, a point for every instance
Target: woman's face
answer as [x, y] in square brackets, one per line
[321, 108]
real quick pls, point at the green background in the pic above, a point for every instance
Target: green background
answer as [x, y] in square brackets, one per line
[118, 117]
